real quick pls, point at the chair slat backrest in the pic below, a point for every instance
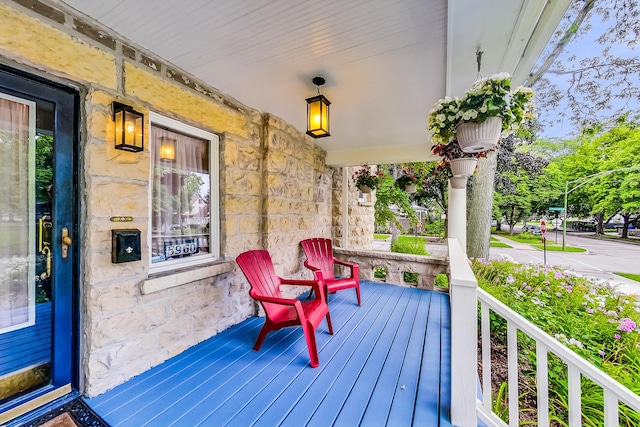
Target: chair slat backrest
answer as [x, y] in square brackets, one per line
[258, 269]
[319, 254]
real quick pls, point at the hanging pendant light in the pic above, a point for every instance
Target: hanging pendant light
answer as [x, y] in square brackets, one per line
[318, 113]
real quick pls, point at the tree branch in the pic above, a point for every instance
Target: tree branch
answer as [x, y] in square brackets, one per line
[562, 43]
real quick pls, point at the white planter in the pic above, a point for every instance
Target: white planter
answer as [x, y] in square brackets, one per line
[477, 137]
[410, 188]
[365, 189]
[463, 167]
[458, 182]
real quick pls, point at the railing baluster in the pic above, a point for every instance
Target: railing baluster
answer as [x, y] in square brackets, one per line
[610, 409]
[575, 402]
[512, 350]
[486, 356]
[542, 374]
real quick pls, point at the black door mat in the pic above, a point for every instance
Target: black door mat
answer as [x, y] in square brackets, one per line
[74, 413]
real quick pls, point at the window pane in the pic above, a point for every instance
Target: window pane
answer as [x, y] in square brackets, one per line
[180, 196]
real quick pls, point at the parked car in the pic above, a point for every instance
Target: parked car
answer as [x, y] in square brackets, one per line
[532, 229]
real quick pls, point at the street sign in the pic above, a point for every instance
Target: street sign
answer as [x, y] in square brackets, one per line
[556, 209]
[543, 227]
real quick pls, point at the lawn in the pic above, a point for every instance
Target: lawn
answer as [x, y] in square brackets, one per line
[498, 244]
[631, 276]
[381, 236]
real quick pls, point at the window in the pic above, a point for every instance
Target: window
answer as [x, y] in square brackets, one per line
[184, 195]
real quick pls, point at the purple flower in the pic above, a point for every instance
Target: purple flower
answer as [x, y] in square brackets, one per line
[602, 353]
[611, 313]
[558, 294]
[528, 288]
[557, 275]
[569, 288]
[590, 310]
[617, 336]
[510, 279]
[626, 325]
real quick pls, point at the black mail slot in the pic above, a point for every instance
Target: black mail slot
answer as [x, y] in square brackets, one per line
[125, 246]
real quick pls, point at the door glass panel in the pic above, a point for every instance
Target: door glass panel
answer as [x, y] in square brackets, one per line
[26, 159]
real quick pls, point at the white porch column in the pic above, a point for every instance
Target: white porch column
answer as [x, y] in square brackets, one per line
[464, 337]
[345, 207]
[457, 211]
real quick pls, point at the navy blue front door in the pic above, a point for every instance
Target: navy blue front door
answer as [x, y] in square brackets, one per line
[38, 254]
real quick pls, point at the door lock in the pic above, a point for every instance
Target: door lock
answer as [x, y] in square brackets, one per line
[66, 242]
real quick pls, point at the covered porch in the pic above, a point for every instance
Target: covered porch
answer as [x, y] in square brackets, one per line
[388, 363]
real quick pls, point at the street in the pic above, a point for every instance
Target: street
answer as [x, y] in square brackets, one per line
[603, 257]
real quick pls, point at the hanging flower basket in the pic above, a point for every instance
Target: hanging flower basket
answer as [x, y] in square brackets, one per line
[476, 137]
[463, 166]
[458, 182]
[410, 188]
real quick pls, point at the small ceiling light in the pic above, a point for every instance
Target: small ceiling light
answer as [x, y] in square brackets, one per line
[318, 113]
[129, 130]
[167, 148]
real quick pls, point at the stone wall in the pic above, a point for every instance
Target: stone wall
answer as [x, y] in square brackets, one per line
[395, 264]
[274, 189]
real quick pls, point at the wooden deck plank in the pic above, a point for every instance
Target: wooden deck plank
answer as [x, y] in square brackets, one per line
[327, 394]
[445, 365]
[280, 380]
[199, 400]
[174, 367]
[222, 401]
[347, 403]
[376, 349]
[428, 395]
[277, 388]
[346, 343]
[198, 379]
[406, 390]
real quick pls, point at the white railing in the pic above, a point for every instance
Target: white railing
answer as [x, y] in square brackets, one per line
[466, 408]
[577, 367]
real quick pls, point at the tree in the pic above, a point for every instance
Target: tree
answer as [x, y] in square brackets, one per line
[589, 72]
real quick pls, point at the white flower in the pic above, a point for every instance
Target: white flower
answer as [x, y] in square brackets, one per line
[441, 117]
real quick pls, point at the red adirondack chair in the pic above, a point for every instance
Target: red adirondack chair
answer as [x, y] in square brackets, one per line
[282, 312]
[321, 261]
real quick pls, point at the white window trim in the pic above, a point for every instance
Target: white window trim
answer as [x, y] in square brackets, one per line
[214, 196]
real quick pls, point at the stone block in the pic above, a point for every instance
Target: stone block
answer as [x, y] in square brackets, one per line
[175, 99]
[27, 39]
[132, 198]
[106, 300]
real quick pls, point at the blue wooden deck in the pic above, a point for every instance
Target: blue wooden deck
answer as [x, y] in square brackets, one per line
[388, 363]
[28, 346]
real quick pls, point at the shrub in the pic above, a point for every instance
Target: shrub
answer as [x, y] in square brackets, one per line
[408, 277]
[409, 245]
[442, 281]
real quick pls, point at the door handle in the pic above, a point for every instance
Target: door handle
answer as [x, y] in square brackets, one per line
[66, 242]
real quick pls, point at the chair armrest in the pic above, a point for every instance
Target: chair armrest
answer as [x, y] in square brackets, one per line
[318, 285]
[311, 267]
[272, 300]
[355, 268]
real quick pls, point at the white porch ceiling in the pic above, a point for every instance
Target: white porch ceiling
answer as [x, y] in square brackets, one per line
[385, 61]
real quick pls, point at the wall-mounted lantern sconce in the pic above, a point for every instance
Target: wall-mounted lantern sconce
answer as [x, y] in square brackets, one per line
[318, 113]
[167, 148]
[129, 128]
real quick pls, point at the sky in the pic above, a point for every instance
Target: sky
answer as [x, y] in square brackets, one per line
[556, 126]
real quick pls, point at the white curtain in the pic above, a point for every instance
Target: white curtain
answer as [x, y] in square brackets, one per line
[16, 216]
[180, 187]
